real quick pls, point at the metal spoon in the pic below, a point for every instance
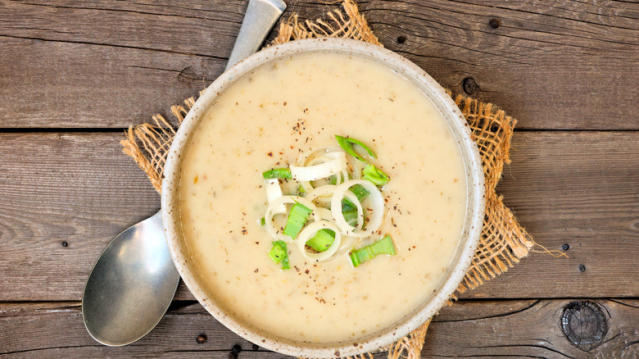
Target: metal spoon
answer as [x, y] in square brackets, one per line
[134, 281]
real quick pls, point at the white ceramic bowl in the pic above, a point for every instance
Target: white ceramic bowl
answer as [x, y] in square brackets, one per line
[473, 220]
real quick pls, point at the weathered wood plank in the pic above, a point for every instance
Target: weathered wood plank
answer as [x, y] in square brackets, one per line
[546, 65]
[205, 28]
[529, 329]
[580, 189]
[62, 84]
[34, 329]
[108, 63]
[73, 189]
[526, 328]
[553, 65]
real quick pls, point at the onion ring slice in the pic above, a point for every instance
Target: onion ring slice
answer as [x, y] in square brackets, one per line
[377, 202]
[271, 212]
[335, 164]
[309, 232]
[321, 156]
[329, 190]
[273, 192]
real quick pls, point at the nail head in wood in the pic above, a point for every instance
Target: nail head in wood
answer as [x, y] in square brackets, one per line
[401, 39]
[582, 268]
[201, 339]
[494, 23]
[235, 351]
[565, 246]
[584, 324]
[64, 244]
[469, 85]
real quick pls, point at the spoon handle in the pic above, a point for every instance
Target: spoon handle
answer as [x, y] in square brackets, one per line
[260, 17]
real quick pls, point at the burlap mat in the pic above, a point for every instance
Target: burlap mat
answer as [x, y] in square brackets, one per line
[503, 240]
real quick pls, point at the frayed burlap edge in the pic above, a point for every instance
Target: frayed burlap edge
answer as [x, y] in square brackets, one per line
[148, 143]
[503, 240]
[348, 24]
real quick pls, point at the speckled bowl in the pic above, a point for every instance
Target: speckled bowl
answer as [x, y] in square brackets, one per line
[466, 247]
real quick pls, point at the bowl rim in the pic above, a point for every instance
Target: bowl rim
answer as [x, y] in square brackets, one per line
[474, 179]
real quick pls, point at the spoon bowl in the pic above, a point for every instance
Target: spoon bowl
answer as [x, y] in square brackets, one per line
[131, 285]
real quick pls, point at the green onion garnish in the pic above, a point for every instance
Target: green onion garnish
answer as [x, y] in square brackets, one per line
[375, 175]
[300, 190]
[332, 180]
[279, 254]
[349, 210]
[348, 206]
[296, 219]
[350, 217]
[347, 144]
[277, 173]
[364, 254]
[322, 240]
[262, 221]
[359, 191]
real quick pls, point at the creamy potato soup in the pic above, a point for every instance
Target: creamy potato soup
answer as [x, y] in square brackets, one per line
[281, 121]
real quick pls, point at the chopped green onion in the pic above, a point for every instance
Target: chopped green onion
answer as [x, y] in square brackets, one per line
[296, 219]
[332, 180]
[322, 240]
[277, 173]
[350, 217]
[300, 190]
[359, 191]
[347, 144]
[348, 206]
[262, 221]
[349, 210]
[279, 254]
[364, 254]
[375, 175]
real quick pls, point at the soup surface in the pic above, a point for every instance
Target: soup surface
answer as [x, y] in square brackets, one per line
[267, 119]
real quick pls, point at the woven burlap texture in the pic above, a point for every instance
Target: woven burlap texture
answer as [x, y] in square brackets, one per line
[503, 240]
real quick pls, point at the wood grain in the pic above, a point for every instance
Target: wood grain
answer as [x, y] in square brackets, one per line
[56, 188]
[580, 189]
[63, 84]
[560, 64]
[553, 65]
[526, 329]
[514, 328]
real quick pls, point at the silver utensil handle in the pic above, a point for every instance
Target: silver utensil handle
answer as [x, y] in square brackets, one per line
[260, 17]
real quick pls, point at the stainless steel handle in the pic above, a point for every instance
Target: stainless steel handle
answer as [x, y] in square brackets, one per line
[260, 17]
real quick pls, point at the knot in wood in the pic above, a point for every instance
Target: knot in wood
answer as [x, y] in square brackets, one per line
[584, 324]
[188, 75]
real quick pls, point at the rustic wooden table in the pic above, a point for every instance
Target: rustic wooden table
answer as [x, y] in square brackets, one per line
[74, 74]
